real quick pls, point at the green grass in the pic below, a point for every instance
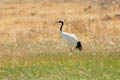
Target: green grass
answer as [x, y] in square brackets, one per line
[36, 64]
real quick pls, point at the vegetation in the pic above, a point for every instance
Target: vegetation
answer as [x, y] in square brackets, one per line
[31, 49]
[35, 61]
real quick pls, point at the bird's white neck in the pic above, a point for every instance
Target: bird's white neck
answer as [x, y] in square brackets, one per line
[60, 32]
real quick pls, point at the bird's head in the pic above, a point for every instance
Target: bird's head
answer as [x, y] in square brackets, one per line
[60, 21]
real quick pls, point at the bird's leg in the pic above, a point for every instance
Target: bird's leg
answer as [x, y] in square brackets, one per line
[70, 49]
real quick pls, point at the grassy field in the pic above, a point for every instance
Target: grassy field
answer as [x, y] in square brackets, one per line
[27, 62]
[31, 49]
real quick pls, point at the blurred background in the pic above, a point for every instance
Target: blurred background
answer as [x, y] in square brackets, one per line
[30, 44]
[95, 22]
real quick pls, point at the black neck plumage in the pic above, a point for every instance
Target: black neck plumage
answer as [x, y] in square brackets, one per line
[61, 26]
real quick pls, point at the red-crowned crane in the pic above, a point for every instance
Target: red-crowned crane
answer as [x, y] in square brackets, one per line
[68, 38]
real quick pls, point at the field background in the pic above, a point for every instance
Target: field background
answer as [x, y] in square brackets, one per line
[30, 45]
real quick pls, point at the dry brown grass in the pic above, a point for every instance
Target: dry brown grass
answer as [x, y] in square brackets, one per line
[30, 46]
[96, 26]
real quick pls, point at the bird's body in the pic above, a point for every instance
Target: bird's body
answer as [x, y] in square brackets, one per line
[70, 39]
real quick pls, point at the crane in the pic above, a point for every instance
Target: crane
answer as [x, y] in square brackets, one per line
[68, 38]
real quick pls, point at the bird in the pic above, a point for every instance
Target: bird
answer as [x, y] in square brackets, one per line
[69, 38]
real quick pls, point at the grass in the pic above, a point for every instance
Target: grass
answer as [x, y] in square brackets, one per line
[65, 67]
[56, 65]
[30, 46]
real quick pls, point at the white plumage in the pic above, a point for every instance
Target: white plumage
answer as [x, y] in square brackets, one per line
[69, 39]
